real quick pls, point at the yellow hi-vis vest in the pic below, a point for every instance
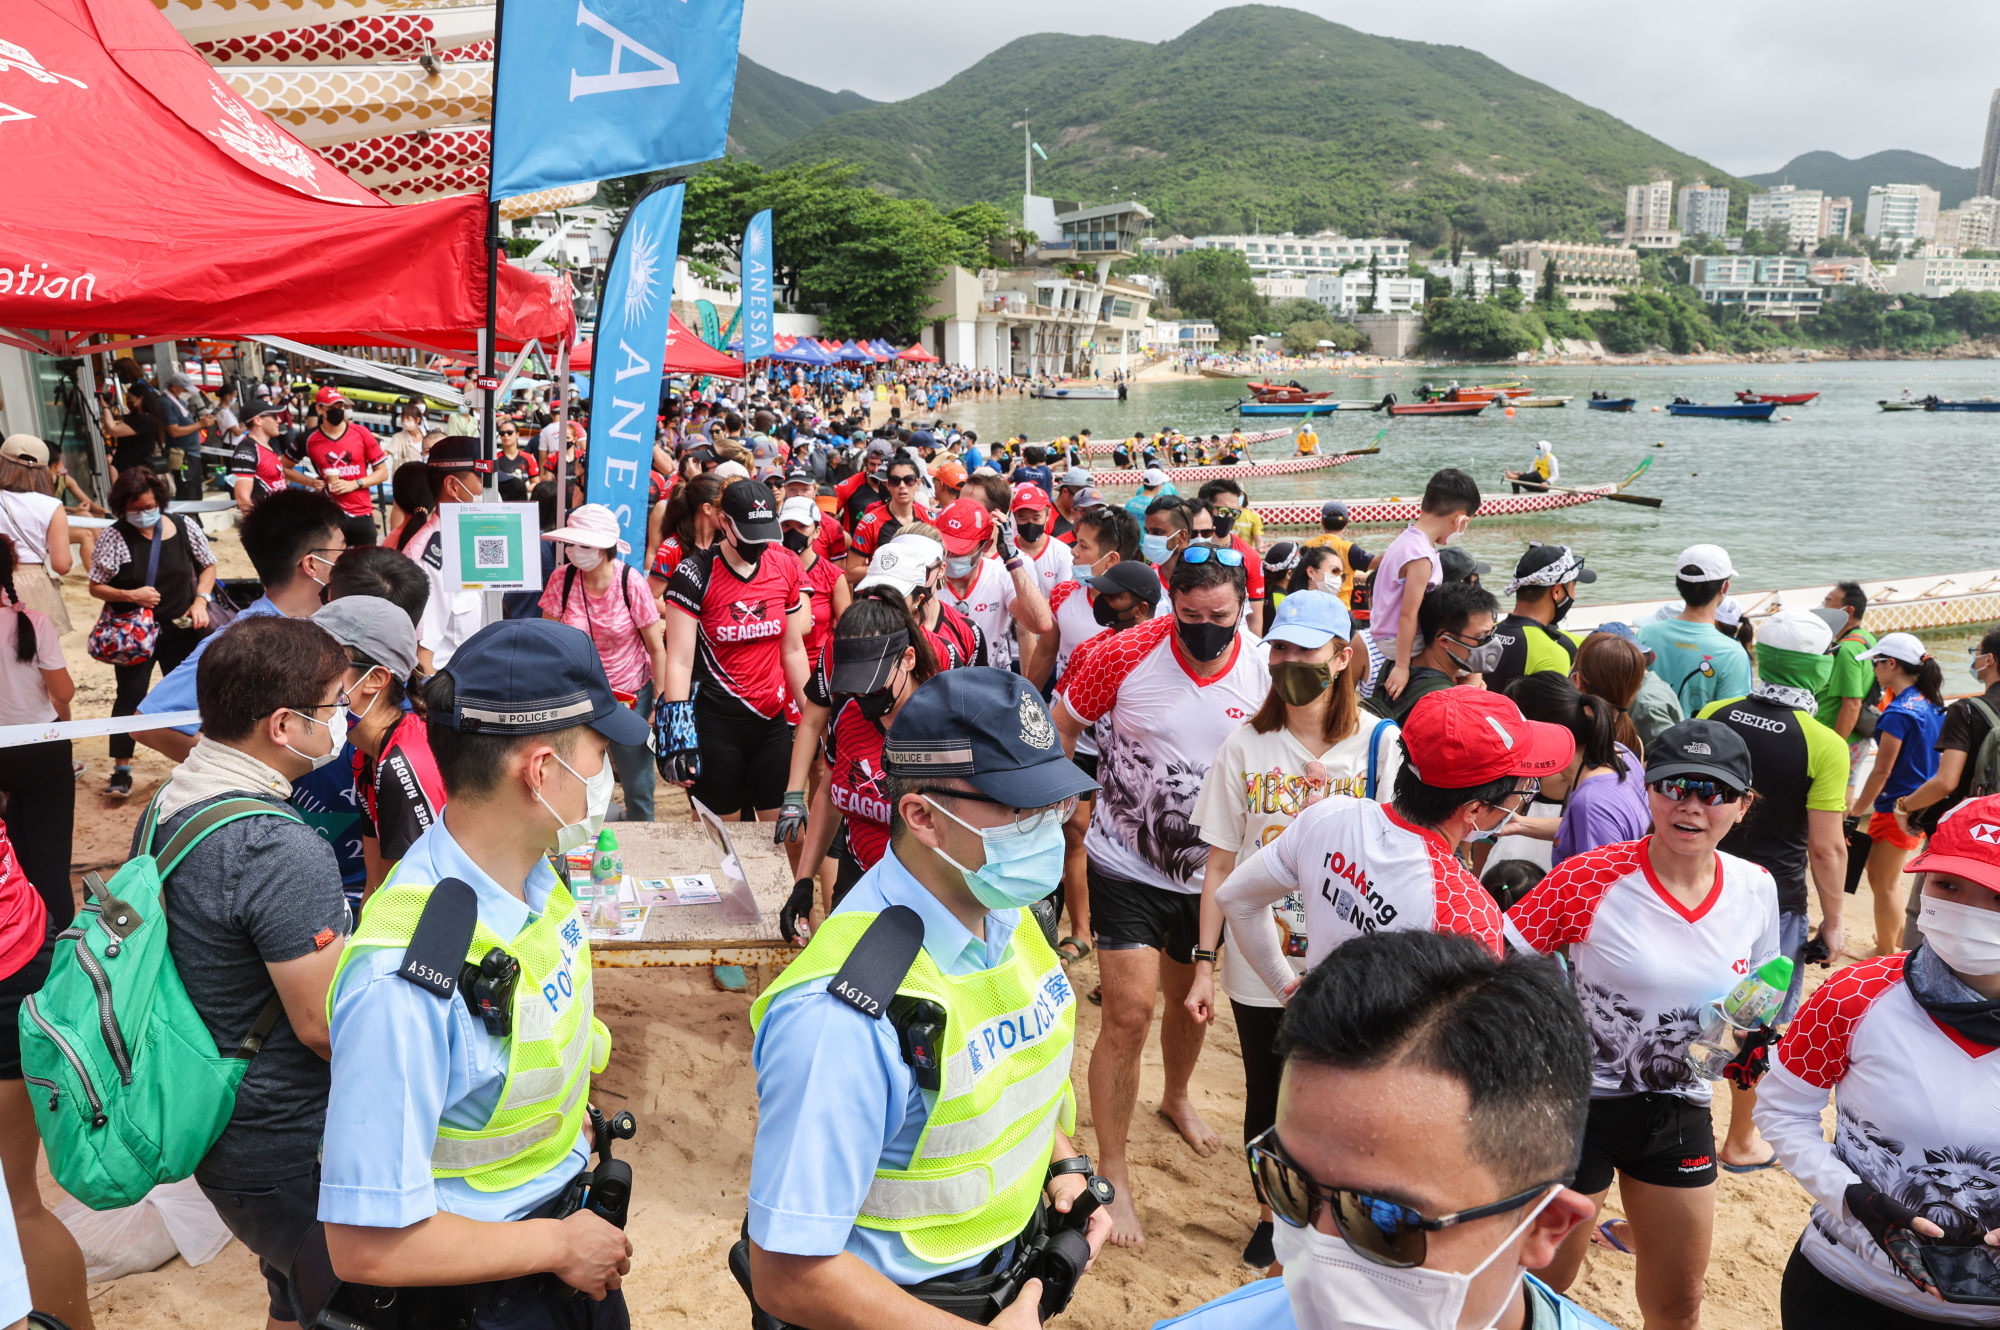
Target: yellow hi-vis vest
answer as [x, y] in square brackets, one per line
[557, 1040]
[1340, 545]
[980, 1164]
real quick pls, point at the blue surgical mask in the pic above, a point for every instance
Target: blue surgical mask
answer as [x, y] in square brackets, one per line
[1153, 547]
[1020, 868]
[145, 519]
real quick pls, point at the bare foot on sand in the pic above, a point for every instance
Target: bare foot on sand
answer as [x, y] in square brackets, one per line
[1125, 1231]
[1201, 1137]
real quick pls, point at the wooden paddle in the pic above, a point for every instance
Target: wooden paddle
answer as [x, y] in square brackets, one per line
[1643, 500]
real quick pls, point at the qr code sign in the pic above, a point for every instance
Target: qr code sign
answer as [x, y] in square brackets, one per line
[489, 551]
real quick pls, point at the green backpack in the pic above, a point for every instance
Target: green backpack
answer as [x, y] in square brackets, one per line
[128, 1087]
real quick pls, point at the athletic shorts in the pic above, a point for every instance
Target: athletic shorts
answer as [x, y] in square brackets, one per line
[1882, 827]
[1662, 1139]
[745, 758]
[15, 989]
[1127, 915]
[271, 1219]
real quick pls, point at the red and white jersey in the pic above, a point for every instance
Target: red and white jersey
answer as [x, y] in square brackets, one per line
[740, 623]
[852, 747]
[1360, 869]
[956, 640]
[1076, 621]
[989, 603]
[1056, 563]
[1645, 965]
[1165, 728]
[819, 584]
[1914, 1116]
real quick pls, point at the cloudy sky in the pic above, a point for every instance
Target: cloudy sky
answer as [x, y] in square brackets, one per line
[1745, 84]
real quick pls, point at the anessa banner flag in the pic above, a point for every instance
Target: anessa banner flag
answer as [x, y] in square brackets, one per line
[605, 88]
[757, 340]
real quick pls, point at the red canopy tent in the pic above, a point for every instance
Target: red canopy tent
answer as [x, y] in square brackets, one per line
[916, 353]
[686, 354]
[150, 199]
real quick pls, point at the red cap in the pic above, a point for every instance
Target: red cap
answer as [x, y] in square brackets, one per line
[1966, 844]
[964, 524]
[1029, 495]
[328, 395]
[1462, 737]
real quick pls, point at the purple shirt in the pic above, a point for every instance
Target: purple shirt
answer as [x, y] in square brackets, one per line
[1386, 611]
[1604, 810]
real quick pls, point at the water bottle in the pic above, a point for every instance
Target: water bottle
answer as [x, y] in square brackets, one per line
[607, 865]
[1754, 1001]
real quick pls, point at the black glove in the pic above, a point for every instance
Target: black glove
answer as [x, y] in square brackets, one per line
[791, 818]
[1888, 1222]
[1816, 952]
[1003, 542]
[1752, 1060]
[675, 747]
[793, 919]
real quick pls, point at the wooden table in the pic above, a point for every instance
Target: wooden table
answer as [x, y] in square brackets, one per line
[735, 932]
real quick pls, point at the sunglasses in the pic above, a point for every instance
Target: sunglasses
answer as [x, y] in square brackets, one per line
[901, 481]
[1229, 557]
[1680, 789]
[1384, 1231]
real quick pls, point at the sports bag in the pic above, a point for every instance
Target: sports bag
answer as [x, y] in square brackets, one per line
[128, 1086]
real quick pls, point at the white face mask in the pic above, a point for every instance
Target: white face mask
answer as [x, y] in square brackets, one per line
[1964, 937]
[1333, 1287]
[585, 558]
[362, 714]
[596, 803]
[336, 730]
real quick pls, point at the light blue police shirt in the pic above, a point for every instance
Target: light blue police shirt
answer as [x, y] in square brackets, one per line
[1264, 1305]
[175, 690]
[405, 1061]
[835, 1101]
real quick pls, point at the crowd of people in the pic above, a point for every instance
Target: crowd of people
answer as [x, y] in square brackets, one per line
[1001, 725]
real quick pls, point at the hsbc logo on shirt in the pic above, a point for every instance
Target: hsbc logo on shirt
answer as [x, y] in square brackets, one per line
[1236, 713]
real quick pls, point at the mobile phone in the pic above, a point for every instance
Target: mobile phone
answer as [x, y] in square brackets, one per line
[1964, 1274]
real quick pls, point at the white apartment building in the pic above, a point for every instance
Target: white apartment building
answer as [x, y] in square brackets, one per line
[1776, 285]
[1480, 278]
[1323, 251]
[1181, 336]
[1344, 293]
[1649, 208]
[1804, 213]
[1589, 276]
[1704, 210]
[1942, 276]
[1902, 212]
[1973, 224]
[1839, 215]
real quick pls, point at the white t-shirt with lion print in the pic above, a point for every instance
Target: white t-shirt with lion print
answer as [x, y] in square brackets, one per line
[1645, 965]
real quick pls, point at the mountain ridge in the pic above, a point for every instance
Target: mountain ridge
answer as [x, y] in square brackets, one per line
[1851, 176]
[772, 109]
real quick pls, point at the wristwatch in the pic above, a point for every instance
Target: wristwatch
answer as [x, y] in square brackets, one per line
[1073, 1164]
[1201, 955]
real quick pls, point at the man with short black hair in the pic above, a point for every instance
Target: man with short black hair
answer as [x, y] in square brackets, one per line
[1227, 508]
[1544, 587]
[1844, 697]
[1487, 1063]
[1698, 661]
[1456, 622]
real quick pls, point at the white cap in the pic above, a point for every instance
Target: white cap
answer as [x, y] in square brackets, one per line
[732, 470]
[1153, 478]
[1795, 630]
[1704, 563]
[1729, 611]
[1904, 647]
[799, 509]
[903, 563]
[592, 524]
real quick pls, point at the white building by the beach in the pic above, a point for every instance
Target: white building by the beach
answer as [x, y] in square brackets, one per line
[1906, 213]
[1293, 255]
[1345, 294]
[1941, 276]
[1775, 285]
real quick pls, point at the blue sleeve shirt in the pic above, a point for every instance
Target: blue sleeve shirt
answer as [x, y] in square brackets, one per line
[406, 1062]
[1264, 1305]
[1912, 719]
[175, 690]
[835, 1100]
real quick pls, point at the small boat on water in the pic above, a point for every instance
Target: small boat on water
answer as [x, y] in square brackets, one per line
[1529, 402]
[1962, 404]
[1285, 407]
[1399, 509]
[1599, 402]
[1196, 475]
[1472, 408]
[1077, 392]
[1726, 410]
[1893, 404]
[1208, 373]
[1271, 392]
[1780, 399]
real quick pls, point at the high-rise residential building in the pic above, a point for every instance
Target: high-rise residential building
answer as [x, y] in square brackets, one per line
[1973, 224]
[1989, 156]
[1902, 212]
[1801, 211]
[1590, 276]
[1649, 208]
[1704, 210]
[1839, 214]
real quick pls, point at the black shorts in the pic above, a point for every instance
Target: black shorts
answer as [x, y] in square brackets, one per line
[1127, 915]
[1661, 1139]
[746, 758]
[1088, 762]
[271, 1219]
[1809, 1300]
[15, 989]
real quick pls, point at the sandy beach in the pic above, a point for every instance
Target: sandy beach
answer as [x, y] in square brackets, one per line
[681, 1064]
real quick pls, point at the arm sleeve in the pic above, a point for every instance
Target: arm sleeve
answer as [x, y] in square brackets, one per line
[550, 601]
[1955, 735]
[110, 555]
[1559, 909]
[288, 895]
[1788, 1114]
[687, 589]
[1826, 768]
[176, 692]
[198, 543]
[1246, 897]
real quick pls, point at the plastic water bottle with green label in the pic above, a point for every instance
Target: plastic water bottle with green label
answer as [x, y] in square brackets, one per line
[607, 865]
[1756, 1000]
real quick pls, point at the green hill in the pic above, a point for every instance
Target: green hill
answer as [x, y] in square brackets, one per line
[771, 110]
[1265, 117]
[1838, 175]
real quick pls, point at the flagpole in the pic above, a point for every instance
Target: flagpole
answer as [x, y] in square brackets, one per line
[488, 352]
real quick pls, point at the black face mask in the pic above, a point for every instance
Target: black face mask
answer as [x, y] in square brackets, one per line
[877, 704]
[334, 415]
[1556, 615]
[1100, 610]
[796, 541]
[1030, 532]
[1224, 524]
[1205, 641]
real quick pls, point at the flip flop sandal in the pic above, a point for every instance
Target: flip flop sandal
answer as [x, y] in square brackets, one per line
[1728, 1167]
[1097, 995]
[1072, 949]
[1612, 1233]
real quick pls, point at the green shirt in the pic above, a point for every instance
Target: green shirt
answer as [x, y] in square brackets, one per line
[1850, 678]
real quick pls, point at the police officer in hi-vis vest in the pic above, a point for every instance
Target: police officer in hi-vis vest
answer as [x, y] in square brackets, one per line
[453, 1188]
[913, 1167]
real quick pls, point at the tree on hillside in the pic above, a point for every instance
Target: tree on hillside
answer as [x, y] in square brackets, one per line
[1550, 296]
[1367, 305]
[1214, 284]
[1476, 330]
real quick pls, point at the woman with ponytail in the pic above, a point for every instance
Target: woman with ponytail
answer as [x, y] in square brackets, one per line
[1614, 668]
[691, 521]
[1604, 787]
[414, 501]
[1906, 757]
[878, 655]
